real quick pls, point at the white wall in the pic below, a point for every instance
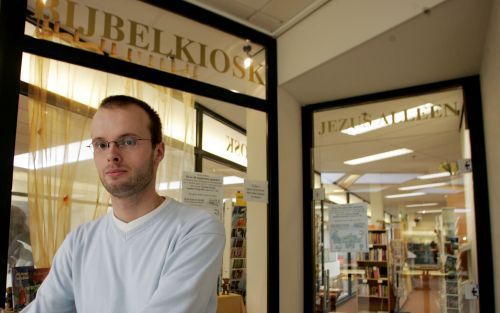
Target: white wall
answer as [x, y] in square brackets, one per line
[290, 204]
[490, 82]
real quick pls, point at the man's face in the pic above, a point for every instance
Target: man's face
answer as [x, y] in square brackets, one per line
[125, 172]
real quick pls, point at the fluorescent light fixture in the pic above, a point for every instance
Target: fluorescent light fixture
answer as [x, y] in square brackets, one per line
[429, 211]
[232, 180]
[398, 117]
[404, 195]
[330, 178]
[379, 156]
[419, 205]
[434, 175]
[63, 154]
[385, 178]
[415, 187]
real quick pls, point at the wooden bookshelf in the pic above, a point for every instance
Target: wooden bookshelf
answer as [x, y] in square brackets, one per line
[374, 287]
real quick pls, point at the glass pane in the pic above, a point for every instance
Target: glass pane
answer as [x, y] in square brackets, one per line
[397, 223]
[56, 187]
[144, 34]
[239, 153]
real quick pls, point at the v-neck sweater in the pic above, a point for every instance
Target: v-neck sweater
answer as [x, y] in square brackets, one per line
[169, 263]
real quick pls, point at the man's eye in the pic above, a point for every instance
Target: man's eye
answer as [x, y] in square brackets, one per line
[101, 145]
[128, 141]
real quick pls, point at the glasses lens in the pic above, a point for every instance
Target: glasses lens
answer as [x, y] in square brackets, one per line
[100, 145]
[127, 142]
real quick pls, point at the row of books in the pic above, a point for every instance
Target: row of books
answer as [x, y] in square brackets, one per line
[379, 290]
[376, 254]
[375, 272]
[377, 238]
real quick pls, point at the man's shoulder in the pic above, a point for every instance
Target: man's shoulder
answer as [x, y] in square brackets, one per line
[193, 217]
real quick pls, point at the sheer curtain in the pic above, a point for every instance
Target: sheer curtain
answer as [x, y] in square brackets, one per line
[64, 190]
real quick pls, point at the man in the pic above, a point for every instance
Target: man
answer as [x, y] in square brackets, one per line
[150, 254]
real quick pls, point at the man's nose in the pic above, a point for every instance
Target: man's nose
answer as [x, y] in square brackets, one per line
[113, 152]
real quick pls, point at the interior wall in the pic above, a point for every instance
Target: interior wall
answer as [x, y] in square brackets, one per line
[490, 80]
[256, 231]
[290, 199]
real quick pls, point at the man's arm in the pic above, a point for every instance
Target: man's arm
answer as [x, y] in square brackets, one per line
[191, 278]
[55, 295]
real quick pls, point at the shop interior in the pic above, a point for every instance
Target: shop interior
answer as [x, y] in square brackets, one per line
[406, 160]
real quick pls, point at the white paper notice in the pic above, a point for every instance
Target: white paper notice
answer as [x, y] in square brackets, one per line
[203, 191]
[255, 191]
[348, 227]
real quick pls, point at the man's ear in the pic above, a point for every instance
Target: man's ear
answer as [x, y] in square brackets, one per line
[159, 152]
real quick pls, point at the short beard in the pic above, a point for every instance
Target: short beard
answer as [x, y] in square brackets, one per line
[134, 186]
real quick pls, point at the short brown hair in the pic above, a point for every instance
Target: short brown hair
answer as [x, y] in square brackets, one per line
[154, 119]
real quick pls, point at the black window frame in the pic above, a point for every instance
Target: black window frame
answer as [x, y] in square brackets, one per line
[474, 120]
[13, 43]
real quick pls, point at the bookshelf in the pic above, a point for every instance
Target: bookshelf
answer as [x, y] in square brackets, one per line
[374, 288]
[238, 247]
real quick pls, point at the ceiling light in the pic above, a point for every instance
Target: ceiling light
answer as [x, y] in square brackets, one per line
[247, 48]
[247, 62]
[391, 119]
[422, 186]
[404, 195]
[434, 175]
[418, 205]
[379, 156]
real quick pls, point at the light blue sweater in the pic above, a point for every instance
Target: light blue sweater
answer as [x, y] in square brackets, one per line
[170, 263]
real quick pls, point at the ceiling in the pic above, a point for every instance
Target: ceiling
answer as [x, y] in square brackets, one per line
[272, 17]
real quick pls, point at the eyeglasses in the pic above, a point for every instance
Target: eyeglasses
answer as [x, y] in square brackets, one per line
[123, 143]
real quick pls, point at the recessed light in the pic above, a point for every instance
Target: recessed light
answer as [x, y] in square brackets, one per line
[404, 195]
[379, 156]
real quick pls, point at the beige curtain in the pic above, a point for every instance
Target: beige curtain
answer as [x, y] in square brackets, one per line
[63, 186]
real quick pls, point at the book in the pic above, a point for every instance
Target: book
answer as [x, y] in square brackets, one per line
[25, 282]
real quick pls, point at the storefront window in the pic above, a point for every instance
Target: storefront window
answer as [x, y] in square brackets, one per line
[394, 222]
[56, 188]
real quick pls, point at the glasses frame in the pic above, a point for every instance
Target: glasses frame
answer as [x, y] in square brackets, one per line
[119, 143]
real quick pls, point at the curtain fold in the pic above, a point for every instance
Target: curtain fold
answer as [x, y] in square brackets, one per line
[64, 190]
